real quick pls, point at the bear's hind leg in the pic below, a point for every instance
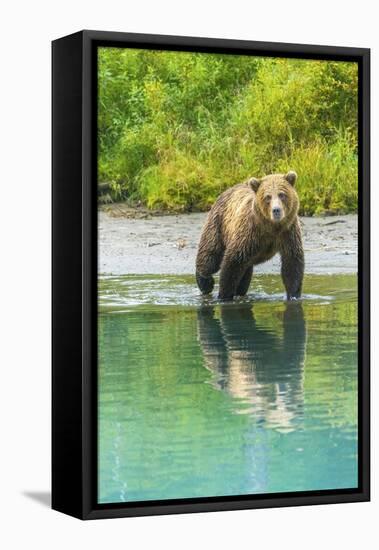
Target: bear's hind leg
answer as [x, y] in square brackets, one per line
[244, 283]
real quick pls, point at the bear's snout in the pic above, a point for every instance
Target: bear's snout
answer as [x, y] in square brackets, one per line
[277, 213]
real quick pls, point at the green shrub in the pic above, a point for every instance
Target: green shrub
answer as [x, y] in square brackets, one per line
[175, 129]
[327, 176]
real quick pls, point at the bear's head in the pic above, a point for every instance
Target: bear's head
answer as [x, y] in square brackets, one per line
[276, 197]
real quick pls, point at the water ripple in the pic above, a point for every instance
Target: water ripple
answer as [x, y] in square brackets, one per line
[117, 293]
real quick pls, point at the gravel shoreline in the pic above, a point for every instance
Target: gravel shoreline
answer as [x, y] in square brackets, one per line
[167, 244]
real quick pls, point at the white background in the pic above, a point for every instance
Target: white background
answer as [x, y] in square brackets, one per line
[27, 29]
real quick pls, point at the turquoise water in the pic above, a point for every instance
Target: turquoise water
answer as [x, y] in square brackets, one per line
[201, 399]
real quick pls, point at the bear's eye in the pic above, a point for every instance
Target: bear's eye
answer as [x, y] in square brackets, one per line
[282, 196]
[267, 198]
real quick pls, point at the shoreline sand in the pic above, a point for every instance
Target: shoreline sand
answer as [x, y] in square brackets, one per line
[167, 244]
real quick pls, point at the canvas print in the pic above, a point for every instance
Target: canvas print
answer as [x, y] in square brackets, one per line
[227, 275]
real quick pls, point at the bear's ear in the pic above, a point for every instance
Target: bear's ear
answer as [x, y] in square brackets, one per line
[254, 183]
[291, 177]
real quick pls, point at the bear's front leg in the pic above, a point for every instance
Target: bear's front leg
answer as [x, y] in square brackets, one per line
[293, 263]
[232, 271]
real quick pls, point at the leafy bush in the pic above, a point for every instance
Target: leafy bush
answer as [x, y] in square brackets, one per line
[176, 128]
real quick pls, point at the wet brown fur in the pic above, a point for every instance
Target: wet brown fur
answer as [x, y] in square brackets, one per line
[240, 233]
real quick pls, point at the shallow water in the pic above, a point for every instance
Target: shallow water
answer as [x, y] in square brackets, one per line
[198, 398]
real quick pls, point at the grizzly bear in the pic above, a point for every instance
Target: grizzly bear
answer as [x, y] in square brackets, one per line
[248, 224]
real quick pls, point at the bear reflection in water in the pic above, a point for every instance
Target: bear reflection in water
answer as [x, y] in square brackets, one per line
[261, 368]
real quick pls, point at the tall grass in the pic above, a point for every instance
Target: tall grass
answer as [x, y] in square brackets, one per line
[176, 129]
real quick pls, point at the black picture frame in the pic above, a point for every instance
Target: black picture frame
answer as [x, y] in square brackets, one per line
[74, 272]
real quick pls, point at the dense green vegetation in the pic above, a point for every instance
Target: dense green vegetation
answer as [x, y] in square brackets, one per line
[176, 129]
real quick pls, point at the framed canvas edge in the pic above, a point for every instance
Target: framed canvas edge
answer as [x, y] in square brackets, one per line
[88, 505]
[195, 43]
